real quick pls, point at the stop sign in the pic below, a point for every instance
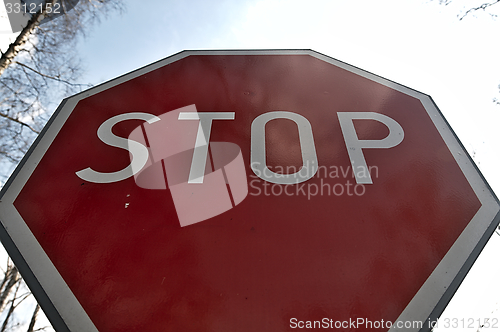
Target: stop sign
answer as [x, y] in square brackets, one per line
[246, 191]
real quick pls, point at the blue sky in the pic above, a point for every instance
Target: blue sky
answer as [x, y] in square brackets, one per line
[417, 43]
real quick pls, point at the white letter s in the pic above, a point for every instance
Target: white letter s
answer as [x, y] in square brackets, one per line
[138, 151]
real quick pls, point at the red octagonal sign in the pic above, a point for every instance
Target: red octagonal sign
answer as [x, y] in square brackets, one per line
[246, 191]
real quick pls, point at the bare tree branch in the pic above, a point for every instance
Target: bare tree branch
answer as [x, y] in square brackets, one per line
[12, 278]
[55, 78]
[20, 122]
[7, 318]
[12, 307]
[483, 7]
[43, 68]
[33, 318]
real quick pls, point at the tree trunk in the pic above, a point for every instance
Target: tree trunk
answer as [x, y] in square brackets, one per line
[22, 38]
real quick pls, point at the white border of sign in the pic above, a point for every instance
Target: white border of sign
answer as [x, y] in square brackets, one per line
[66, 313]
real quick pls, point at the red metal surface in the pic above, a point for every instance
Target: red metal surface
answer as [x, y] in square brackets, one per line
[273, 257]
